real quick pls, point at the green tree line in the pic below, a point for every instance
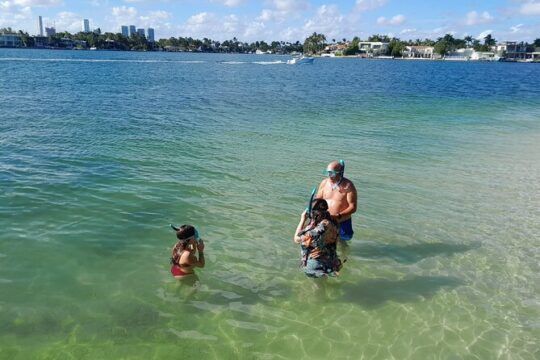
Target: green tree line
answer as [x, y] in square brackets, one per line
[313, 44]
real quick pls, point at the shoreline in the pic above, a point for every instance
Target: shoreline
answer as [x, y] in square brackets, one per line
[239, 53]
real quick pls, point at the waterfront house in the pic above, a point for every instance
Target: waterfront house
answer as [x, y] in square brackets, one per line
[41, 41]
[10, 40]
[459, 55]
[418, 52]
[512, 50]
[66, 43]
[484, 56]
[335, 49]
[372, 48]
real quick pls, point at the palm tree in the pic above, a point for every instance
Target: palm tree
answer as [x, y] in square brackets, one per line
[468, 39]
[314, 43]
[489, 40]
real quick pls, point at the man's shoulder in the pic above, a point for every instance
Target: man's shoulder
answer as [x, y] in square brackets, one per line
[348, 184]
[323, 184]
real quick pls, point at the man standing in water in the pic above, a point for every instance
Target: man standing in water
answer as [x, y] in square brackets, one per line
[340, 194]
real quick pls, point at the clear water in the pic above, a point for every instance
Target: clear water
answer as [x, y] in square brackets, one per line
[100, 151]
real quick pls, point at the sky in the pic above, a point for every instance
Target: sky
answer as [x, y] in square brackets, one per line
[285, 20]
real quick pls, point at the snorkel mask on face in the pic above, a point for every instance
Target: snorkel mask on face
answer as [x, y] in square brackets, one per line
[334, 173]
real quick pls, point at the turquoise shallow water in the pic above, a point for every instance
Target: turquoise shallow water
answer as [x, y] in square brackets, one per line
[100, 151]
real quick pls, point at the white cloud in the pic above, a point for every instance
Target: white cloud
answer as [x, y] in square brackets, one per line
[5, 5]
[124, 15]
[530, 8]
[39, 3]
[475, 18]
[516, 29]
[365, 5]
[124, 11]
[231, 24]
[483, 34]
[282, 10]
[439, 32]
[155, 17]
[407, 31]
[68, 21]
[229, 3]
[13, 17]
[395, 20]
[292, 34]
[129, 15]
[211, 26]
[255, 30]
[327, 21]
[288, 5]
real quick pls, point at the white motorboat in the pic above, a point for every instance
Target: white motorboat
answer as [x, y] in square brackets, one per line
[300, 60]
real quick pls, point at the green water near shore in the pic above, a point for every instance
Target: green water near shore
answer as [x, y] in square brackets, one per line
[444, 263]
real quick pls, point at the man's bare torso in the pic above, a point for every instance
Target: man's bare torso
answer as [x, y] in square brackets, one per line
[336, 196]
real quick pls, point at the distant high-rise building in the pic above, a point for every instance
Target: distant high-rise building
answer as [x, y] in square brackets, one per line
[50, 31]
[40, 26]
[86, 25]
[150, 35]
[125, 31]
[132, 30]
[140, 32]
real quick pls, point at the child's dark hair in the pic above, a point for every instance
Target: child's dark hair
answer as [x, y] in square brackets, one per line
[319, 211]
[184, 232]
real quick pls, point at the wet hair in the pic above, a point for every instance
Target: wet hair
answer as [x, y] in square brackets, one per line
[319, 211]
[184, 232]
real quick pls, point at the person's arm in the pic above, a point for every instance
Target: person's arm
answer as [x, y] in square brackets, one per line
[192, 259]
[352, 201]
[297, 238]
[200, 249]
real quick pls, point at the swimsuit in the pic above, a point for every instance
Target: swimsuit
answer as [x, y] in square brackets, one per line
[176, 271]
[345, 230]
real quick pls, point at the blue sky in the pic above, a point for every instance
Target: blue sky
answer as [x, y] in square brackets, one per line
[287, 20]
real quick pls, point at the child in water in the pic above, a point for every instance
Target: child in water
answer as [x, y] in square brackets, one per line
[184, 253]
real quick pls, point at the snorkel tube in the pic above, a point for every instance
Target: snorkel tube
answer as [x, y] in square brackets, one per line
[342, 163]
[310, 204]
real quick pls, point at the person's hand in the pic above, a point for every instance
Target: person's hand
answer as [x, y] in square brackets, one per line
[200, 245]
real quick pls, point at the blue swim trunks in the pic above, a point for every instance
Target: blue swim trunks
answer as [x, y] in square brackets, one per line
[345, 230]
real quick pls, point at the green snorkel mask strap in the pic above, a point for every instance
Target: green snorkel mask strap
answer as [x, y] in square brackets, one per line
[342, 163]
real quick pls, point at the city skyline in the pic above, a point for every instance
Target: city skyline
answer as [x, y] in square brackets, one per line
[287, 20]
